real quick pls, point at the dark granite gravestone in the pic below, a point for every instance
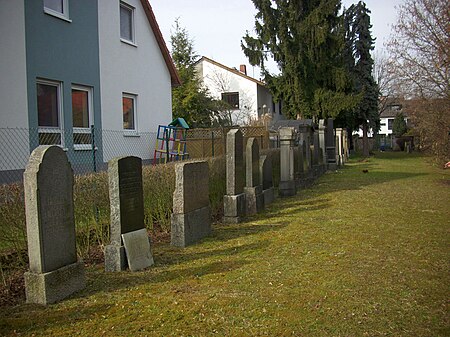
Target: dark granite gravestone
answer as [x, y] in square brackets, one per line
[330, 145]
[127, 207]
[48, 186]
[191, 218]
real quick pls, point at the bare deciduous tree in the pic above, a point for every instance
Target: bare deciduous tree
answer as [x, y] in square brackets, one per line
[419, 49]
[419, 61]
[386, 80]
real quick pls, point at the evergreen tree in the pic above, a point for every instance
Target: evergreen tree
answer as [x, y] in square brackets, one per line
[359, 44]
[190, 100]
[306, 40]
[399, 127]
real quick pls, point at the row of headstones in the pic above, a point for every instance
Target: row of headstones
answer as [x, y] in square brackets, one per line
[54, 271]
[300, 164]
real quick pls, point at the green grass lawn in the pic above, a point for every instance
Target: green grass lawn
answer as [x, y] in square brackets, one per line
[358, 254]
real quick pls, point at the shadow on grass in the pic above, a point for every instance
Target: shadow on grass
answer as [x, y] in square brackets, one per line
[294, 205]
[32, 318]
[223, 232]
[169, 255]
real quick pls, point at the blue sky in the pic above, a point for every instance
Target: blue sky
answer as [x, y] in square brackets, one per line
[217, 26]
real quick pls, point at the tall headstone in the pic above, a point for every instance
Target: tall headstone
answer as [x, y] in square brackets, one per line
[287, 182]
[330, 145]
[322, 145]
[317, 159]
[191, 218]
[126, 199]
[346, 145]
[254, 198]
[301, 169]
[265, 169]
[339, 147]
[234, 200]
[305, 136]
[54, 272]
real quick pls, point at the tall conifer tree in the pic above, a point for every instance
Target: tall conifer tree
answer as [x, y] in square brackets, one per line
[359, 44]
[306, 40]
[190, 100]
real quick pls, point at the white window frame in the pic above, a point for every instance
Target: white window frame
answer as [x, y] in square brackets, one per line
[65, 13]
[54, 129]
[134, 131]
[133, 25]
[90, 116]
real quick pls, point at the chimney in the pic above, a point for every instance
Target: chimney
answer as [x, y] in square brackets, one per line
[243, 69]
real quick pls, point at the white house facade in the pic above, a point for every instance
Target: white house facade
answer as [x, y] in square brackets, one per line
[387, 117]
[249, 99]
[82, 73]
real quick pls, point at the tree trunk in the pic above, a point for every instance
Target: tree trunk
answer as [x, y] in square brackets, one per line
[365, 140]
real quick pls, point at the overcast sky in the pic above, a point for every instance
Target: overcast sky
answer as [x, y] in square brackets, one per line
[217, 26]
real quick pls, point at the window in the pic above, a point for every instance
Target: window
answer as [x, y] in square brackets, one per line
[126, 23]
[395, 107]
[49, 112]
[232, 98]
[58, 8]
[129, 112]
[82, 117]
[390, 122]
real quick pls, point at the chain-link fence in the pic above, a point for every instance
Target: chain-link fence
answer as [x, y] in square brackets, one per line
[87, 150]
[90, 150]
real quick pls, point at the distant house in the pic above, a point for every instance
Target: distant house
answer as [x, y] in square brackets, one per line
[248, 98]
[67, 65]
[390, 110]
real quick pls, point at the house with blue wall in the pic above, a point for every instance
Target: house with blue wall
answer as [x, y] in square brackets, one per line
[81, 72]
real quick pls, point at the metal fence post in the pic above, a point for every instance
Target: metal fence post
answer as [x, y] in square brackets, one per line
[94, 161]
[212, 142]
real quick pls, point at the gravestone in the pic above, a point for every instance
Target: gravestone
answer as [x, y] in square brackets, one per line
[330, 145]
[191, 218]
[234, 200]
[322, 145]
[301, 179]
[265, 169]
[137, 248]
[54, 272]
[305, 136]
[127, 208]
[339, 147]
[253, 189]
[316, 155]
[287, 182]
[346, 147]
[298, 165]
